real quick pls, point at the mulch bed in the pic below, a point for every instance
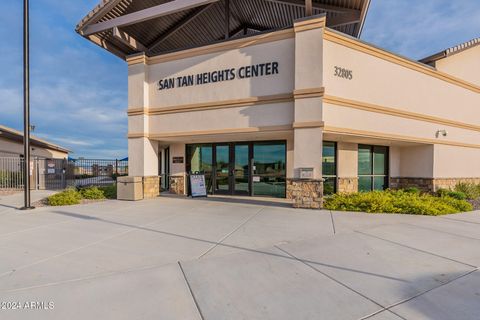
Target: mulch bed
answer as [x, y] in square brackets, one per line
[475, 203]
[44, 202]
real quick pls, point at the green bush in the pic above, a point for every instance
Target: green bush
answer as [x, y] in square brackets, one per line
[471, 190]
[414, 190]
[110, 192]
[65, 198]
[92, 193]
[442, 192]
[397, 202]
[457, 195]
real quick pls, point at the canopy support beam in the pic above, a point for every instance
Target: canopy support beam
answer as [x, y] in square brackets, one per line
[144, 15]
[128, 40]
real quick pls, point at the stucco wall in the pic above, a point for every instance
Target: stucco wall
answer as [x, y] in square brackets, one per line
[228, 118]
[279, 51]
[347, 160]
[9, 146]
[417, 161]
[464, 65]
[381, 82]
[142, 157]
[456, 162]
[394, 127]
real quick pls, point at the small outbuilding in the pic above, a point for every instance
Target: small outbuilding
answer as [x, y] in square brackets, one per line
[11, 145]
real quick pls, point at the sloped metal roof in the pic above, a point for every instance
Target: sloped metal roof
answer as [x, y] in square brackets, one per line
[451, 51]
[15, 135]
[204, 24]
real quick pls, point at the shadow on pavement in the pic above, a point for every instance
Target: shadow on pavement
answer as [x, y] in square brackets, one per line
[214, 243]
[267, 202]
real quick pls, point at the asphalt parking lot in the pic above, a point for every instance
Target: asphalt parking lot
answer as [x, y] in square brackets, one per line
[173, 258]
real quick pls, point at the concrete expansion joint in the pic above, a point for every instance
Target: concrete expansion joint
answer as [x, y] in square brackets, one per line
[416, 249]
[191, 291]
[333, 222]
[429, 290]
[308, 264]
[230, 233]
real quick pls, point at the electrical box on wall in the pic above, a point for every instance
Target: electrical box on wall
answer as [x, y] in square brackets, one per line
[306, 173]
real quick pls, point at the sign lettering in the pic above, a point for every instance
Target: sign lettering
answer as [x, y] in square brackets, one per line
[245, 72]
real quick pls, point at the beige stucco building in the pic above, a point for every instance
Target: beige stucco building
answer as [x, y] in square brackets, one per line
[288, 105]
[11, 145]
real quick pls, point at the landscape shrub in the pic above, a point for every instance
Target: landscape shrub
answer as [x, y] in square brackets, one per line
[471, 190]
[110, 192]
[65, 198]
[92, 193]
[414, 190]
[457, 195]
[391, 201]
[72, 196]
[442, 192]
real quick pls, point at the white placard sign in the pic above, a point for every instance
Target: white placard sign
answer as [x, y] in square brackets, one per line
[306, 173]
[198, 186]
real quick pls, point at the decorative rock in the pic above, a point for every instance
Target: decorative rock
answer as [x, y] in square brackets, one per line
[306, 194]
[177, 185]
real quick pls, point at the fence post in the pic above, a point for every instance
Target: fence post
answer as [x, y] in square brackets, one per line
[116, 168]
[64, 172]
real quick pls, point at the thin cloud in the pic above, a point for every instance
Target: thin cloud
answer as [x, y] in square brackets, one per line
[419, 28]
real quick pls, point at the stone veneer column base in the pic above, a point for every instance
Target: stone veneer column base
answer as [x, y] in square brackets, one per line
[307, 194]
[424, 184]
[430, 184]
[177, 185]
[450, 183]
[151, 187]
[347, 185]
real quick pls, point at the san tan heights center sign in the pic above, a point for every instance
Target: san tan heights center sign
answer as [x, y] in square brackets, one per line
[245, 72]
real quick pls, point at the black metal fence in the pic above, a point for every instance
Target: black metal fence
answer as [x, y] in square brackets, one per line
[54, 174]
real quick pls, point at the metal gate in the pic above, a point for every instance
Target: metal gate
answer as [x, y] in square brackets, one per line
[56, 174]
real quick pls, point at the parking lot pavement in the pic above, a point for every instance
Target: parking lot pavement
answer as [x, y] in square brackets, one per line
[175, 258]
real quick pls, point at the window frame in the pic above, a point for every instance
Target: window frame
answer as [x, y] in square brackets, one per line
[335, 177]
[372, 176]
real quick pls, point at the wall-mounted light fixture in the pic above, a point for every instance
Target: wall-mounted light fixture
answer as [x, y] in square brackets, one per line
[443, 133]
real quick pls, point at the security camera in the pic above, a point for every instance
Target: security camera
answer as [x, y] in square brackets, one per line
[444, 133]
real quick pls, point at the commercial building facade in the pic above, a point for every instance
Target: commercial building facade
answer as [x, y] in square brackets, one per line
[11, 145]
[301, 110]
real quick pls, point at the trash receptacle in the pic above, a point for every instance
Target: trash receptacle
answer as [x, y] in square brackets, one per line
[130, 188]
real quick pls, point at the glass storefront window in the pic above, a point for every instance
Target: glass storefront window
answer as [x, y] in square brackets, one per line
[329, 167]
[200, 159]
[269, 169]
[372, 168]
[364, 160]
[228, 167]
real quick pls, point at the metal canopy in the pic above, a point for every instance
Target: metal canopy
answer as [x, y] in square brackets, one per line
[126, 27]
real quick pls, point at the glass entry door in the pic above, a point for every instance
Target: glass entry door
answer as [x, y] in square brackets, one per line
[241, 168]
[232, 169]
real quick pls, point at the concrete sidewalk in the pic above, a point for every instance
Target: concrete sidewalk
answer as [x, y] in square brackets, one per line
[16, 200]
[173, 258]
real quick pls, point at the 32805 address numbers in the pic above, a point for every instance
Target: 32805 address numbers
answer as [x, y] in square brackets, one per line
[343, 73]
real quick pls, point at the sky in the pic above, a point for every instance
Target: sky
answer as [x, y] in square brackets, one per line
[79, 91]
